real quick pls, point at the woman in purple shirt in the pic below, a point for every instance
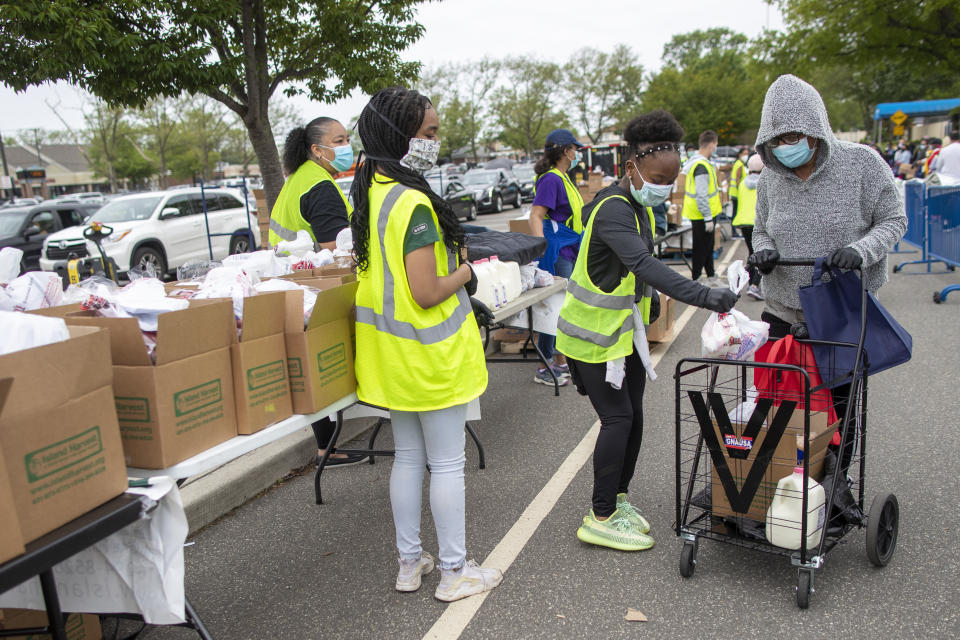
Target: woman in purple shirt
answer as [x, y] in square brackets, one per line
[556, 216]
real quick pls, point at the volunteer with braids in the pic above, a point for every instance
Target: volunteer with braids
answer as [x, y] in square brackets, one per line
[614, 277]
[419, 351]
[312, 201]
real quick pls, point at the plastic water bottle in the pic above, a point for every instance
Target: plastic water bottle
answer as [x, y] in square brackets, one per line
[509, 278]
[500, 269]
[486, 291]
[786, 509]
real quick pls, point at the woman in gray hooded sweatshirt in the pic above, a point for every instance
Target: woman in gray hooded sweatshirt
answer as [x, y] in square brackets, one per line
[817, 196]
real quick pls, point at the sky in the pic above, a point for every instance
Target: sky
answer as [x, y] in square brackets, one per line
[461, 30]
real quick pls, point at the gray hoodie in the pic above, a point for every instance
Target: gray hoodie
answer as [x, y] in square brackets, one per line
[849, 200]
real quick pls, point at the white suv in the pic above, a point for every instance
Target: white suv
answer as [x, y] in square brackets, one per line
[162, 228]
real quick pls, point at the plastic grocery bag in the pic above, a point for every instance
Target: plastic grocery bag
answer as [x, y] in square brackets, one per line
[733, 335]
[25, 331]
[278, 284]
[298, 247]
[35, 290]
[10, 258]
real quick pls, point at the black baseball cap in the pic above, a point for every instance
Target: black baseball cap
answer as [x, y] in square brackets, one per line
[561, 138]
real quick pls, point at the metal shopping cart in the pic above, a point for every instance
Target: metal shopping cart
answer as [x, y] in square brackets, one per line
[732, 451]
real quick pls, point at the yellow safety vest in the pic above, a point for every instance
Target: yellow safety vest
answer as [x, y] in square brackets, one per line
[410, 358]
[286, 219]
[690, 211]
[746, 207]
[573, 197]
[737, 174]
[596, 326]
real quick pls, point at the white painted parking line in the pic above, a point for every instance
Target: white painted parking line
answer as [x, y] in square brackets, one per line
[455, 618]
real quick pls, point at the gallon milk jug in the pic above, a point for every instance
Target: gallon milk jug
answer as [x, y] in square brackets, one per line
[486, 284]
[509, 276]
[783, 516]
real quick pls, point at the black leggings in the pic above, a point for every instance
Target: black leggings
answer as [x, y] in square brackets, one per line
[702, 249]
[747, 232]
[323, 431]
[621, 428]
[841, 394]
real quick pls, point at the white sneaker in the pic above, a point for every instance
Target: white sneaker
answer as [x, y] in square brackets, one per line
[410, 574]
[469, 580]
[754, 292]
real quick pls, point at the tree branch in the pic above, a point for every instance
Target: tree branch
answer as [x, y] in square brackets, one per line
[230, 103]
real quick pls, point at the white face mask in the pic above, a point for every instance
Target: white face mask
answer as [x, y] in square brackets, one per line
[421, 154]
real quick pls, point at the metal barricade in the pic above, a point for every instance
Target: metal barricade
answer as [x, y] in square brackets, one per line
[916, 196]
[943, 225]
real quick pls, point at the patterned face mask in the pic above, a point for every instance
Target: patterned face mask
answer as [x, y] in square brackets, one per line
[421, 154]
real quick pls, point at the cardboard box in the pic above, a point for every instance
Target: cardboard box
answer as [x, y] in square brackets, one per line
[260, 385]
[781, 465]
[674, 214]
[520, 225]
[11, 538]
[662, 329]
[320, 358]
[183, 404]
[58, 431]
[335, 269]
[78, 626]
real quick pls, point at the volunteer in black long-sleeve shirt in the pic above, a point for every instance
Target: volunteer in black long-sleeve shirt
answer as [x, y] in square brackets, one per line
[614, 250]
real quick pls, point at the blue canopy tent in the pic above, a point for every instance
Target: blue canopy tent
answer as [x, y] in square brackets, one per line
[916, 108]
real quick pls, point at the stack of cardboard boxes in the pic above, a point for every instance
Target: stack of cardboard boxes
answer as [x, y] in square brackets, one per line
[589, 187]
[662, 329]
[263, 217]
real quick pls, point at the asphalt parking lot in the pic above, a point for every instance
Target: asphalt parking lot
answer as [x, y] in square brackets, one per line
[282, 567]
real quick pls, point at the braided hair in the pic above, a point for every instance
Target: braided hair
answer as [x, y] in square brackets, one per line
[386, 124]
[653, 132]
[296, 148]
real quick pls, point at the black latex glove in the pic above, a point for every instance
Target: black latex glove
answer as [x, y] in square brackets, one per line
[654, 308]
[481, 311]
[720, 300]
[471, 286]
[845, 258]
[764, 260]
[799, 330]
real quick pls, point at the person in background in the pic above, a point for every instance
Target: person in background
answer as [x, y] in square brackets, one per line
[931, 156]
[746, 213]
[701, 204]
[610, 296]
[817, 196]
[737, 173]
[901, 159]
[419, 351]
[312, 201]
[556, 216]
[947, 162]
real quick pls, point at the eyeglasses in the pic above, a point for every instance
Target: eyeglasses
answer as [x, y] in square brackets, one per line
[787, 138]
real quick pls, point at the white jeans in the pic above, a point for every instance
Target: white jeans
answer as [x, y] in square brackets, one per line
[435, 438]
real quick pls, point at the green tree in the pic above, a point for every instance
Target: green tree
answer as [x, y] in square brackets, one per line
[525, 109]
[460, 92]
[707, 83]
[238, 52]
[603, 89]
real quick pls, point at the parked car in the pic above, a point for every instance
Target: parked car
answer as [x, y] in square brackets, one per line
[492, 188]
[345, 184]
[93, 197]
[461, 200]
[26, 228]
[164, 229]
[527, 178]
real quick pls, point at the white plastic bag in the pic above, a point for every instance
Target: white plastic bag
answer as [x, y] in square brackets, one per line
[27, 331]
[10, 258]
[229, 282]
[96, 292]
[278, 284]
[733, 336]
[35, 290]
[344, 243]
[528, 274]
[262, 264]
[144, 299]
[298, 247]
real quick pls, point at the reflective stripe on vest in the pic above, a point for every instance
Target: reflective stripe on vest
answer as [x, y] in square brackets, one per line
[280, 230]
[387, 321]
[599, 339]
[690, 210]
[601, 300]
[286, 219]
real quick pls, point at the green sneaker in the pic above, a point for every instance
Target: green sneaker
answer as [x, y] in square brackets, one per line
[617, 532]
[632, 513]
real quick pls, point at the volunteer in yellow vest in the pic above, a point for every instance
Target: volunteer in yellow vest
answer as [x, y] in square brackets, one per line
[614, 272]
[737, 173]
[556, 216]
[311, 201]
[746, 213]
[701, 204]
[419, 352]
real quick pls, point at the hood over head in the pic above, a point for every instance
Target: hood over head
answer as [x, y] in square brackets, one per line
[793, 105]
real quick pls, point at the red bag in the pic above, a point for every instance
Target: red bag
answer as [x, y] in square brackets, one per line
[788, 385]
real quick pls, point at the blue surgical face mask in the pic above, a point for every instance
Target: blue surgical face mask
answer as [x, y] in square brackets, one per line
[794, 155]
[576, 158]
[342, 156]
[650, 195]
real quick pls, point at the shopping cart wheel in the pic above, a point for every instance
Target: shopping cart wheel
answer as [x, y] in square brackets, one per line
[882, 526]
[804, 587]
[688, 559]
[937, 298]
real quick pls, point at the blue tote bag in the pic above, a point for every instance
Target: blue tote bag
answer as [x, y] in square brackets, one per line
[832, 308]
